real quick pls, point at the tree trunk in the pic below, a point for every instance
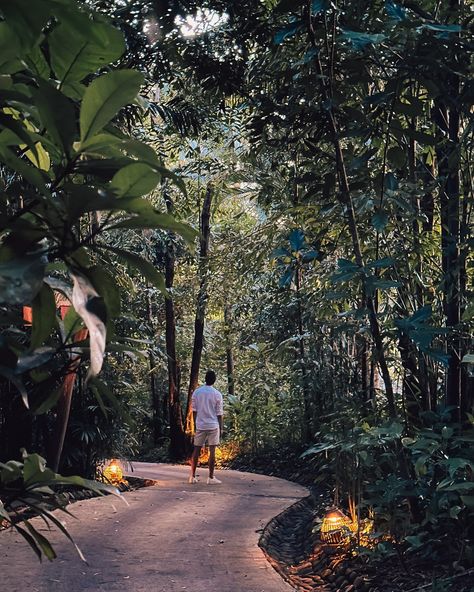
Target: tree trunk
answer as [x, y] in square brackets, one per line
[177, 435]
[447, 120]
[345, 198]
[156, 403]
[200, 304]
[467, 382]
[229, 351]
[307, 429]
[411, 384]
[63, 408]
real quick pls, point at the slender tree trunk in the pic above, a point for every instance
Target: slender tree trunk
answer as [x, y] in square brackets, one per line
[307, 431]
[346, 200]
[467, 382]
[177, 435]
[156, 403]
[229, 351]
[411, 385]
[63, 408]
[200, 304]
[448, 171]
[363, 355]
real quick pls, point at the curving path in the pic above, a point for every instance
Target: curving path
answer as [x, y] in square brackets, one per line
[171, 537]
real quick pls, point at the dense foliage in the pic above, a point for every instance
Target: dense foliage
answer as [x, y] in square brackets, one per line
[325, 152]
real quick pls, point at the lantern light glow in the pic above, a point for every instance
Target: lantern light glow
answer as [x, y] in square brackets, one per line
[336, 527]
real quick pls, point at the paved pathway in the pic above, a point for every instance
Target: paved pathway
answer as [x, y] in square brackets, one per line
[172, 537]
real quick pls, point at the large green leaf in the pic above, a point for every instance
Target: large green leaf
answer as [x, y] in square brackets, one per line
[135, 180]
[44, 316]
[82, 46]
[104, 97]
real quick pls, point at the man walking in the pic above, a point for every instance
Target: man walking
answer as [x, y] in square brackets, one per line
[207, 407]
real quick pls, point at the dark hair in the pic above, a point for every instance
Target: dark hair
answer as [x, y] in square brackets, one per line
[210, 377]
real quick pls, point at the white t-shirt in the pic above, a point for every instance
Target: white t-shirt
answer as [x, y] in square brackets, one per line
[207, 402]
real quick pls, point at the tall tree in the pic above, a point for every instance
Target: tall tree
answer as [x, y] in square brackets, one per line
[177, 432]
[201, 301]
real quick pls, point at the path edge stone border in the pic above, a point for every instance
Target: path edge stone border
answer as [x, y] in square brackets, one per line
[278, 521]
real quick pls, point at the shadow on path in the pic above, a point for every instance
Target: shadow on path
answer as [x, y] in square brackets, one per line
[171, 537]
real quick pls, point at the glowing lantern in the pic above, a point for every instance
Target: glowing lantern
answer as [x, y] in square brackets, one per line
[113, 472]
[336, 527]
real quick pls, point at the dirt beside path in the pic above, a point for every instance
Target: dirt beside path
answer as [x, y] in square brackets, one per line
[172, 537]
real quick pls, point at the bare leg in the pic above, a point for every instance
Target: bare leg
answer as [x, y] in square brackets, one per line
[194, 460]
[212, 460]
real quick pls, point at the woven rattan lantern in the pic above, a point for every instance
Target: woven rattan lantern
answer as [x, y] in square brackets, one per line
[113, 473]
[335, 528]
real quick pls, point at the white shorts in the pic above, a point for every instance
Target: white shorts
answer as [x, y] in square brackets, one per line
[212, 437]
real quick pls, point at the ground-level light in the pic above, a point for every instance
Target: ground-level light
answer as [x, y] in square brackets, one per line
[113, 472]
[336, 527]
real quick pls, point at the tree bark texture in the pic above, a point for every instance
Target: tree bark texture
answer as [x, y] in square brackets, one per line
[156, 403]
[307, 429]
[447, 120]
[177, 435]
[201, 303]
[229, 351]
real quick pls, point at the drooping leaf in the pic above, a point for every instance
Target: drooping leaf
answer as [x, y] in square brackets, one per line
[89, 306]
